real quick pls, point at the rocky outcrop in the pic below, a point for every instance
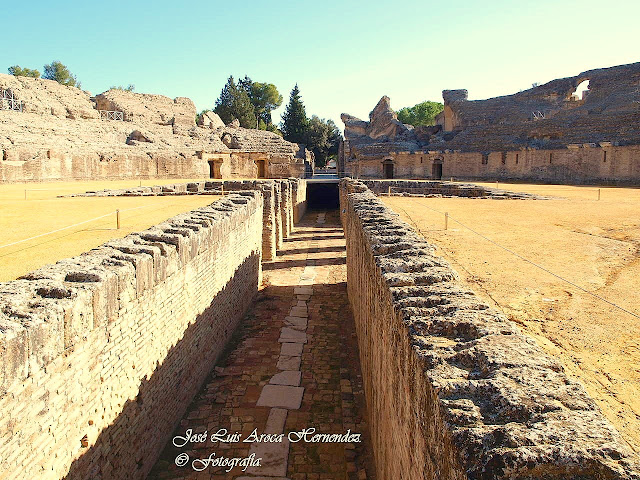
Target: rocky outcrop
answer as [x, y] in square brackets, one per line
[384, 123]
[210, 120]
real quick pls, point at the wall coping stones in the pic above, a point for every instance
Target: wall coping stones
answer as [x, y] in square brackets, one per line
[52, 309]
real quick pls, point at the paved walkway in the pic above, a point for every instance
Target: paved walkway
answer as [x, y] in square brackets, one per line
[292, 365]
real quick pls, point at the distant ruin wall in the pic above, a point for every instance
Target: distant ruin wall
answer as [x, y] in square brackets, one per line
[102, 353]
[43, 165]
[37, 164]
[576, 164]
[453, 389]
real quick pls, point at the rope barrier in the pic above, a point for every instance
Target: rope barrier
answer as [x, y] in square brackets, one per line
[69, 226]
[595, 295]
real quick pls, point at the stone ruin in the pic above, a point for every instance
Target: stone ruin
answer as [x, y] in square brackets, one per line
[62, 133]
[545, 133]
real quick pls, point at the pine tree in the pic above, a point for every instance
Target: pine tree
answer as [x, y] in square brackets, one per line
[235, 103]
[61, 74]
[295, 123]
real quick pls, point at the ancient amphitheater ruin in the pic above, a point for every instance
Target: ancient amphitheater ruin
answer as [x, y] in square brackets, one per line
[295, 327]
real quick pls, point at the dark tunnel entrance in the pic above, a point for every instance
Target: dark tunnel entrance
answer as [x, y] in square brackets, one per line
[323, 195]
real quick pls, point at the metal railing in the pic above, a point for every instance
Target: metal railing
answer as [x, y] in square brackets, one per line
[111, 115]
[537, 115]
[9, 102]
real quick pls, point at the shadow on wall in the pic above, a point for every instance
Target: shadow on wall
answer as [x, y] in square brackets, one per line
[130, 446]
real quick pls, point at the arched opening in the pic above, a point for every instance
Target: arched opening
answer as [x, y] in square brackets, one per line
[581, 91]
[436, 169]
[387, 168]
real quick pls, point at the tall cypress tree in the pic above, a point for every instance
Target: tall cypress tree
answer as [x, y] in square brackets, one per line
[235, 103]
[295, 123]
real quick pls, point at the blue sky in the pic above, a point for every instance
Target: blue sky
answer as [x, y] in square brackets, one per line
[344, 55]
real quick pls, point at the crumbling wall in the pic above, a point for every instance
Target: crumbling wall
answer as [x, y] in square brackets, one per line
[48, 97]
[453, 389]
[529, 124]
[102, 353]
[147, 108]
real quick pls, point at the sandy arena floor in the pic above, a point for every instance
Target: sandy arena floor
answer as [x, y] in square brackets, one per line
[594, 244]
[43, 212]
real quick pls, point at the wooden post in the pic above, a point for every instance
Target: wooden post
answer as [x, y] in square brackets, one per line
[598, 194]
[222, 188]
[496, 184]
[118, 219]
[446, 220]
[25, 193]
[389, 192]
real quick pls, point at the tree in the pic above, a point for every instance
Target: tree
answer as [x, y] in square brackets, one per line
[23, 72]
[61, 74]
[323, 139]
[235, 103]
[264, 97]
[421, 114]
[294, 120]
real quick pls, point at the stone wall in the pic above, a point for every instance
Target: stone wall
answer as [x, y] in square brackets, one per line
[425, 188]
[102, 353]
[453, 389]
[578, 163]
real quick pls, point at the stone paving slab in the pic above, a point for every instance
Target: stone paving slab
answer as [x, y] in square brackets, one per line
[281, 396]
[289, 362]
[289, 335]
[303, 291]
[276, 420]
[291, 349]
[274, 457]
[297, 323]
[299, 312]
[287, 377]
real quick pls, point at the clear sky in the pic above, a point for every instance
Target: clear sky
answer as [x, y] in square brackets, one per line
[344, 55]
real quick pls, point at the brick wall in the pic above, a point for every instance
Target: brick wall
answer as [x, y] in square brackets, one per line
[102, 353]
[453, 389]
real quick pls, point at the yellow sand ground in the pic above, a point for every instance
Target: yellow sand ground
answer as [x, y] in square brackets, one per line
[43, 212]
[594, 244]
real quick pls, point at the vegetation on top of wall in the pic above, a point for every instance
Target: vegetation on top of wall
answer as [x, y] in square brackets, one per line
[129, 88]
[423, 113]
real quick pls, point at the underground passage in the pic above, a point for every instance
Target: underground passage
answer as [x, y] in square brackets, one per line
[323, 195]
